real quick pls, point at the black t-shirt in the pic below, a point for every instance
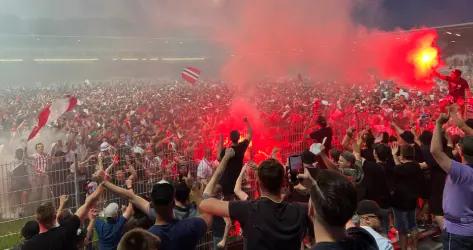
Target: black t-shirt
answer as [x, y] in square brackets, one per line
[374, 185]
[58, 238]
[270, 225]
[218, 226]
[357, 239]
[319, 135]
[234, 166]
[407, 180]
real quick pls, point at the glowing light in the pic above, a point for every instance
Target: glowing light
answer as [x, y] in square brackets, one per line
[130, 59]
[65, 59]
[425, 57]
[183, 58]
[11, 60]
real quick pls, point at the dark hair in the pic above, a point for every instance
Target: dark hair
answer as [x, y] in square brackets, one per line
[348, 156]
[383, 152]
[385, 138]
[37, 144]
[139, 239]
[335, 198]
[322, 121]
[408, 152]
[162, 194]
[46, 214]
[182, 192]
[335, 154]
[469, 122]
[30, 229]
[426, 137]
[308, 157]
[271, 175]
[64, 216]
[370, 140]
[234, 136]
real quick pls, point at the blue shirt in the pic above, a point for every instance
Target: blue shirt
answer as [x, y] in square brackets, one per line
[458, 200]
[180, 234]
[109, 232]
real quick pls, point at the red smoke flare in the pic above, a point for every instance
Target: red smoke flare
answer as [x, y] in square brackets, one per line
[412, 61]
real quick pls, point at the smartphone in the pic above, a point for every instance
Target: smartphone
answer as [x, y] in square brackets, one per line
[295, 163]
[295, 167]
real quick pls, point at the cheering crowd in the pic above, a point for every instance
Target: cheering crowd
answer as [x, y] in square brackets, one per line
[372, 158]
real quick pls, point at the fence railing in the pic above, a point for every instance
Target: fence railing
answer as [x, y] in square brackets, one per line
[23, 188]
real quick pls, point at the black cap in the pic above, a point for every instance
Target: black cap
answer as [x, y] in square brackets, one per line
[408, 137]
[308, 157]
[368, 207]
[162, 193]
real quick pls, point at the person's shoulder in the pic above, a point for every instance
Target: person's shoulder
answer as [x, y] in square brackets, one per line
[361, 239]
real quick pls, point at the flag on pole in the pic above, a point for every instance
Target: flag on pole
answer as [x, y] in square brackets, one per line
[52, 112]
[190, 75]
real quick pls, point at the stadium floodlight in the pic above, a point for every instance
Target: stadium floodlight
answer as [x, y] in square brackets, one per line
[65, 59]
[183, 58]
[9, 60]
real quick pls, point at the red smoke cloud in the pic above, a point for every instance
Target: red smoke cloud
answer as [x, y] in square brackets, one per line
[274, 38]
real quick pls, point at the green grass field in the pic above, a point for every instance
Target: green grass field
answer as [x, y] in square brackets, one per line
[10, 232]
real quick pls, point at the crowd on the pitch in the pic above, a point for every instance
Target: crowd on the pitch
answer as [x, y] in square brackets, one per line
[379, 164]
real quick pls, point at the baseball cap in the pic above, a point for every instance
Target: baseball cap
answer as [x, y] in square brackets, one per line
[368, 207]
[111, 210]
[104, 146]
[162, 193]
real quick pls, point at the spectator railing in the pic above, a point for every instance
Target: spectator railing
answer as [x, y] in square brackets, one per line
[22, 189]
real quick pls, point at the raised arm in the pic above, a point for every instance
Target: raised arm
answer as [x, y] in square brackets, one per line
[436, 147]
[438, 75]
[460, 123]
[394, 151]
[398, 129]
[327, 161]
[90, 201]
[212, 206]
[136, 200]
[249, 129]
[238, 190]
[219, 148]
[347, 139]
[62, 202]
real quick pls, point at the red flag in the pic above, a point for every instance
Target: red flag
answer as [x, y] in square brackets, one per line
[42, 120]
[52, 112]
[190, 74]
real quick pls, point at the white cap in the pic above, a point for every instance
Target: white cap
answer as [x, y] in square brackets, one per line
[111, 210]
[104, 146]
[138, 150]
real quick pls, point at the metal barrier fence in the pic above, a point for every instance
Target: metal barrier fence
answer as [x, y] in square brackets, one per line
[22, 188]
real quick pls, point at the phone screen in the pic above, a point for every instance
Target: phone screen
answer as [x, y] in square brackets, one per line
[295, 163]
